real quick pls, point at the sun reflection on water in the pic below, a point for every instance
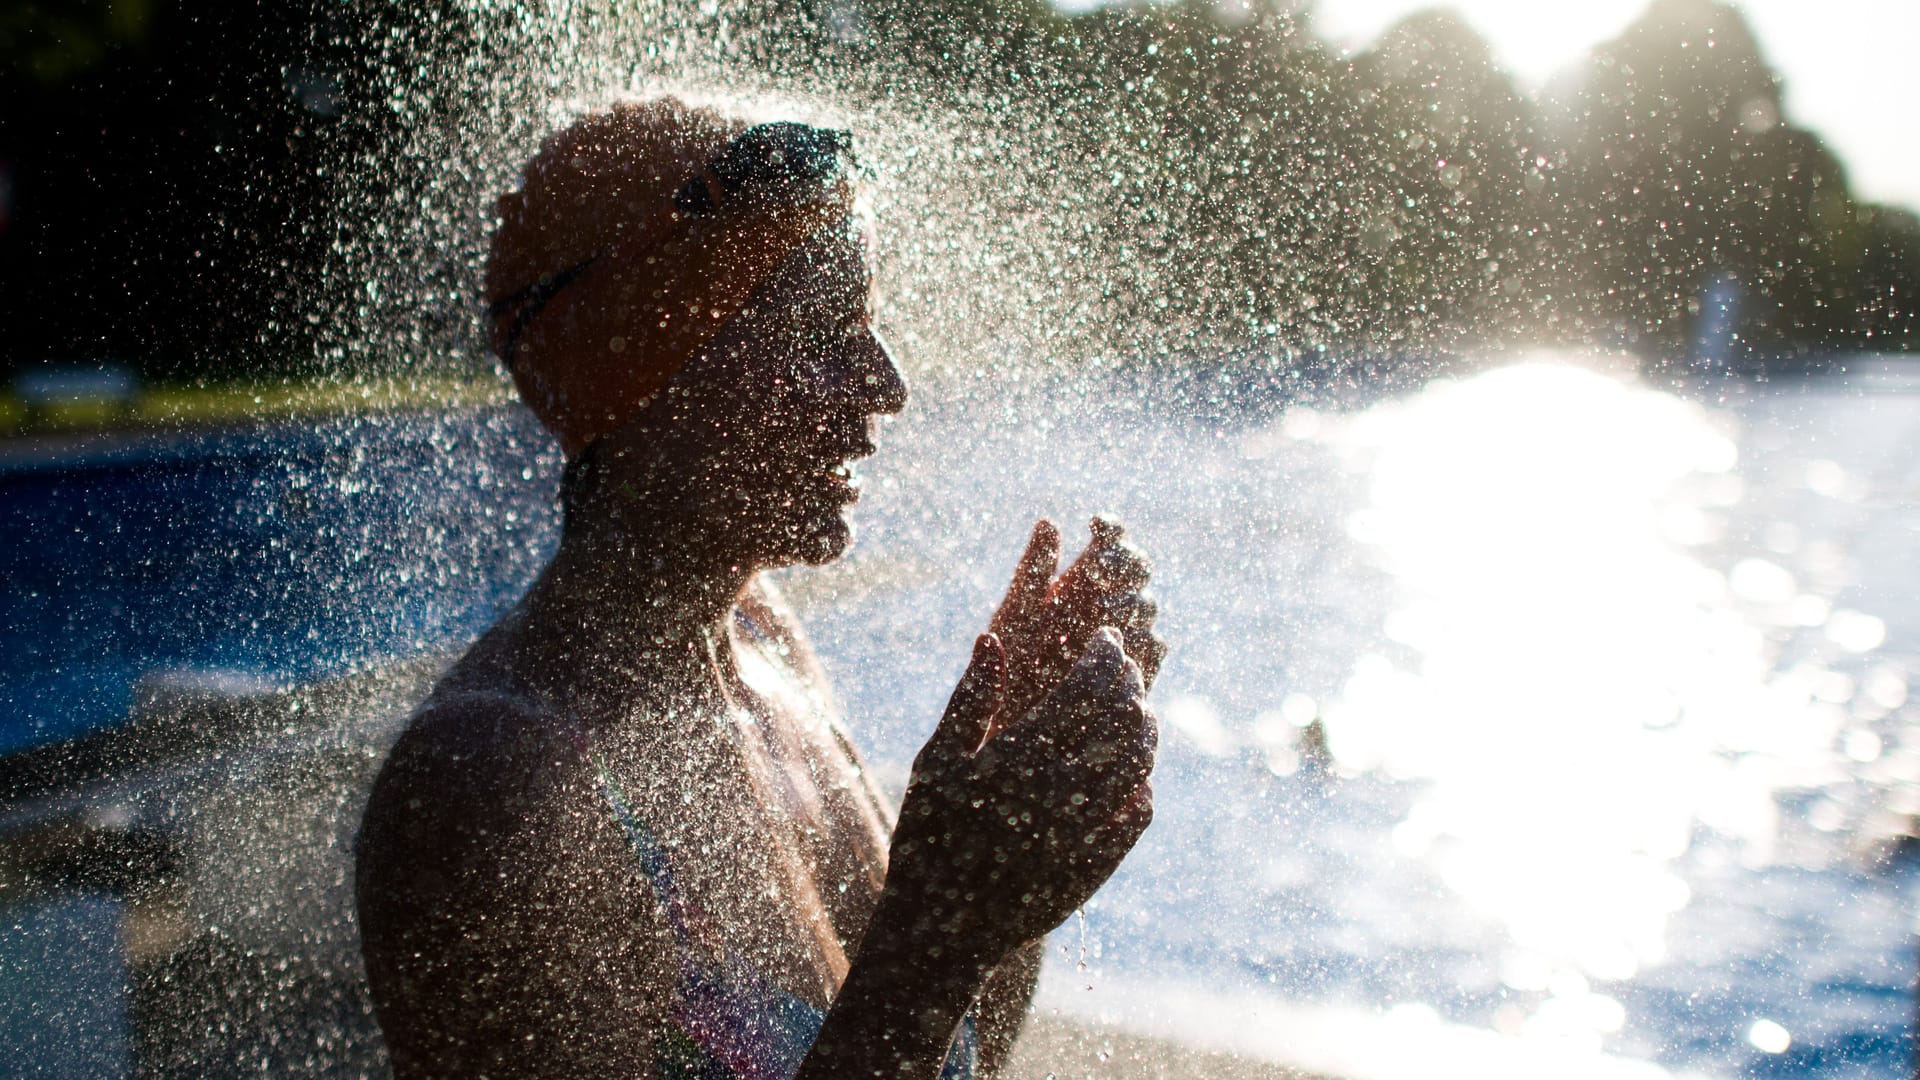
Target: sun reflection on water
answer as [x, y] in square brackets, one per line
[1581, 693]
[1544, 704]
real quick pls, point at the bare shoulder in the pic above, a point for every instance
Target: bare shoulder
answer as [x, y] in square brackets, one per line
[489, 745]
[480, 736]
[503, 931]
[467, 806]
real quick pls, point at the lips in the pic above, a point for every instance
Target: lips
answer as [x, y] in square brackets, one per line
[835, 472]
[844, 480]
[841, 471]
[822, 464]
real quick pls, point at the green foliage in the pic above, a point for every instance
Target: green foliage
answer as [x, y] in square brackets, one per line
[1257, 186]
[1184, 175]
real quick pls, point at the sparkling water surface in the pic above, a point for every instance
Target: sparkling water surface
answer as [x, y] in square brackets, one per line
[1613, 678]
[1613, 681]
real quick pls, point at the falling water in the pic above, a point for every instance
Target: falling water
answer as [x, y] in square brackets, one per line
[1612, 677]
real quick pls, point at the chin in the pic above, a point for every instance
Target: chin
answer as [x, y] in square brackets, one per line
[821, 539]
[824, 545]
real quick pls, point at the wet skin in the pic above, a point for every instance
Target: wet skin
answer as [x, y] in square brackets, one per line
[507, 927]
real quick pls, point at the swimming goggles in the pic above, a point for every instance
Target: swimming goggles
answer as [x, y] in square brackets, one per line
[765, 158]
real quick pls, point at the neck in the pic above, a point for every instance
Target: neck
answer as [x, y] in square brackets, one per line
[638, 595]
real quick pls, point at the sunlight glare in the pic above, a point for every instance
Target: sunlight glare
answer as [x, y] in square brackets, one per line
[1577, 691]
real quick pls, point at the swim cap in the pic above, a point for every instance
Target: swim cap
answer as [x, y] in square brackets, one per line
[636, 234]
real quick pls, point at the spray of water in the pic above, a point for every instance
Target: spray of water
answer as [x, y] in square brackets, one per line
[1055, 217]
[1142, 183]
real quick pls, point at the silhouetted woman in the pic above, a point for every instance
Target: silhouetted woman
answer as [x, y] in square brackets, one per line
[627, 835]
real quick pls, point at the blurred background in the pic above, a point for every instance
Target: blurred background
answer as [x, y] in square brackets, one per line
[184, 189]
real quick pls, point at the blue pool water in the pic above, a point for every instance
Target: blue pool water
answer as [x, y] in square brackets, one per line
[1614, 676]
[279, 553]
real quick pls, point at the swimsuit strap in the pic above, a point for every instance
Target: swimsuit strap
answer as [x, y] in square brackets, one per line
[732, 1022]
[652, 856]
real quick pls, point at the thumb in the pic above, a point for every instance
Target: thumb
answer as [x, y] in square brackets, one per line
[1104, 660]
[970, 712]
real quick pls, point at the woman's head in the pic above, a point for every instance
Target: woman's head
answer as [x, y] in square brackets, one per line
[656, 245]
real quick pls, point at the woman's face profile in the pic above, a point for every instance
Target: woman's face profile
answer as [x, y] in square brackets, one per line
[768, 419]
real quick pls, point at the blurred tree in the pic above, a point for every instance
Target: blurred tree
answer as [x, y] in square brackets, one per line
[1451, 229]
[1225, 167]
[1684, 172]
[1887, 297]
[1255, 187]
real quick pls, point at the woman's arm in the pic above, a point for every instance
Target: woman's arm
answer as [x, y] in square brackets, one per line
[999, 839]
[1107, 583]
[1046, 622]
[1002, 1009]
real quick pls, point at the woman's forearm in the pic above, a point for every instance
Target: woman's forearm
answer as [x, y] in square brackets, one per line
[990, 853]
[1002, 1008]
[897, 1012]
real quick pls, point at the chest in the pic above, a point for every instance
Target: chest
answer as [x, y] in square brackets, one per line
[786, 733]
[770, 834]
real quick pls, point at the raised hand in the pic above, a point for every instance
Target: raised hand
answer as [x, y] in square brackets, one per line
[1046, 622]
[1007, 828]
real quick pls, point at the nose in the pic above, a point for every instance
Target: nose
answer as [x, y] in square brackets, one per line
[878, 381]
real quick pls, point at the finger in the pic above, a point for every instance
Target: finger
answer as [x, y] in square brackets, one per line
[1149, 741]
[1035, 569]
[1147, 649]
[1026, 596]
[1122, 755]
[1101, 850]
[1128, 732]
[1133, 680]
[1116, 566]
[1105, 530]
[1133, 813]
[1100, 666]
[1122, 565]
[1090, 718]
[1129, 610]
[1101, 721]
[969, 716]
